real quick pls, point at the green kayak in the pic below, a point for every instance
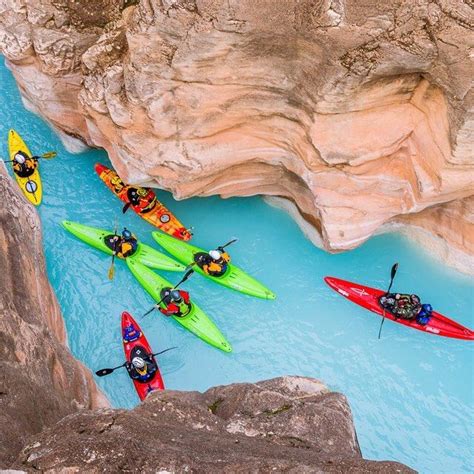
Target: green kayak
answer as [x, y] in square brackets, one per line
[233, 278]
[144, 254]
[195, 321]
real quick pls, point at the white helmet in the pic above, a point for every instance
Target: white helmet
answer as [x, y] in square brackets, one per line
[215, 254]
[19, 158]
[138, 362]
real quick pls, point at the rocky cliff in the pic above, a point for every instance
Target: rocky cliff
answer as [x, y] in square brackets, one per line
[359, 113]
[290, 424]
[40, 381]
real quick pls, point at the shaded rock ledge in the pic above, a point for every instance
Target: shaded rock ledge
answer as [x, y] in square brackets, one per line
[358, 113]
[53, 417]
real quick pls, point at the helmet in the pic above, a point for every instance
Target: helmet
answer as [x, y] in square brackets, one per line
[138, 362]
[215, 254]
[427, 308]
[175, 295]
[19, 158]
[142, 192]
[126, 234]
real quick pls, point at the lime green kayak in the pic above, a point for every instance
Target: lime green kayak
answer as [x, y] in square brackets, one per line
[233, 278]
[144, 254]
[195, 321]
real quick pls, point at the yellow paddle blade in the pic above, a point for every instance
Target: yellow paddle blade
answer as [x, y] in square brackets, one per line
[111, 272]
[49, 155]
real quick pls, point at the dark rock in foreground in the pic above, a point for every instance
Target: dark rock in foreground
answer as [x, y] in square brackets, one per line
[286, 424]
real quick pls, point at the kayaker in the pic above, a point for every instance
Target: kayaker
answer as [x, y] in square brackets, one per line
[143, 198]
[406, 306]
[215, 262]
[141, 369]
[23, 165]
[175, 302]
[124, 245]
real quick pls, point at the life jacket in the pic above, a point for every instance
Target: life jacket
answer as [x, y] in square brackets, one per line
[126, 248]
[182, 308]
[26, 169]
[217, 267]
[130, 334]
[142, 198]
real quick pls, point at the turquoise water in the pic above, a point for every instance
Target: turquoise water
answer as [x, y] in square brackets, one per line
[411, 393]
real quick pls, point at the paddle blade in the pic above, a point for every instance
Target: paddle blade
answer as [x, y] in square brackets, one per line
[103, 372]
[126, 207]
[111, 272]
[49, 155]
[394, 270]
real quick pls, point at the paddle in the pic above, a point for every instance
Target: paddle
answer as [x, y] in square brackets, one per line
[48, 156]
[186, 276]
[222, 247]
[103, 372]
[112, 268]
[392, 276]
[126, 207]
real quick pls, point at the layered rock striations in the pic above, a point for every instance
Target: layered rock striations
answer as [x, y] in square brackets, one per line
[359, 113]
[40, 381]
[290, 424]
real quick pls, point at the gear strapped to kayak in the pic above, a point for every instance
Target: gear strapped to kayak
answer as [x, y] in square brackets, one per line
[401, 305]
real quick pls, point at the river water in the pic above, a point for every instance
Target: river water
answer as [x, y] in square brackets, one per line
[411, 393]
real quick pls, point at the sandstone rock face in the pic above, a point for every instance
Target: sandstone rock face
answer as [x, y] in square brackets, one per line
[40, 381]
[290, 424]
[356, 112]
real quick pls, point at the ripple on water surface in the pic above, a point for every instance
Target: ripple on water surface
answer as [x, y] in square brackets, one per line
[411, 393]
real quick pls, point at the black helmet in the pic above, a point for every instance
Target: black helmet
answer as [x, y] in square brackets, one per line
[176, 296]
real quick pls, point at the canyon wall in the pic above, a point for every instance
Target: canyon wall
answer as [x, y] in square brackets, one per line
[358, 113]
[40, 381]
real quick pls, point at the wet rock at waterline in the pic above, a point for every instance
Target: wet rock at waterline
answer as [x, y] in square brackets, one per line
[359, 112]
[40, 381]
[289, 423]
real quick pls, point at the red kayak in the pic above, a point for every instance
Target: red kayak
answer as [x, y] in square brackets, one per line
[136, 345]
[369, 299]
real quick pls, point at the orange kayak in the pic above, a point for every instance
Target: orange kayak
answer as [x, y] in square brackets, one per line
[144, 202]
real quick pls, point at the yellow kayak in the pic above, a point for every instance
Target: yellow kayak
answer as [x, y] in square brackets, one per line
[31, 185]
